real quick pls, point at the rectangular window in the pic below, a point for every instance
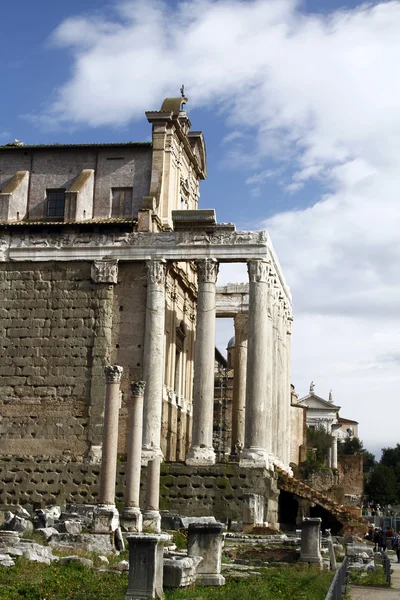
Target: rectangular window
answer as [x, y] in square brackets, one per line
[121, 202]
[56, 203]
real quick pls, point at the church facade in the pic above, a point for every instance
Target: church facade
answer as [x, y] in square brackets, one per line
[105, 258]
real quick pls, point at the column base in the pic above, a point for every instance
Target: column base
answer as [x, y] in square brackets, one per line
[151, 521]
[210, 579]
[255, 458]
[105, 519]
[150, 454]
[131, 520]
[200, 456]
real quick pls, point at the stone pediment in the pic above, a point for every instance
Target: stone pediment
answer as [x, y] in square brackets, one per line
[313, 401]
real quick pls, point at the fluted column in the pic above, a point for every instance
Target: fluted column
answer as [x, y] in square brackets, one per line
[201, 451]
[334, 452]
[153, 359]
[110, 435]
[132, 517]
[280, 389]
[288, 332]
[239, 382]
[255, 453]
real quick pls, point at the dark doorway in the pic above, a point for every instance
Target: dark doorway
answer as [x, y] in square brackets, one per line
[288, 507]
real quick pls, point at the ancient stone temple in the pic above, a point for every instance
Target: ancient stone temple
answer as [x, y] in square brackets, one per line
[106, 259]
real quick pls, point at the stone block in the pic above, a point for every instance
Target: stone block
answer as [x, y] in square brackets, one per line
[253, 511]
[311, 541]
[205, 541]
[180, 571]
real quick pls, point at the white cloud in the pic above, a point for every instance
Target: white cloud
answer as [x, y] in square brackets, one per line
[318, 92]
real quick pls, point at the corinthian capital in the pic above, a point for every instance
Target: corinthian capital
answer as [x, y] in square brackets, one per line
[113, 373]
[207, 270]
[258, 270]
[137, 388]
[156, 270]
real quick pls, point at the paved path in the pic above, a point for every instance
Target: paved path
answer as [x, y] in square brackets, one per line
[369, 593]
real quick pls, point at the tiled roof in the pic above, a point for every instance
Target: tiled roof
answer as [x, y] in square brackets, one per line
[55, 146]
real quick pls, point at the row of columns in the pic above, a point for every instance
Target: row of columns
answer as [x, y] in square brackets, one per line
[261, 395]
[133, 519]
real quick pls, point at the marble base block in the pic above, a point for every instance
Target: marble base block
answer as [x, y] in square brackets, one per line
[151, 521]
[131, 520]
[105, 519]
[252, 458]
[200, 456]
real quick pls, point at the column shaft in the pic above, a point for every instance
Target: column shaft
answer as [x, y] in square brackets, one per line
[255, 453]
[239, 382]
[135, 430]
[153, 360]
[202, 452]
[110, 436]
[334, 452]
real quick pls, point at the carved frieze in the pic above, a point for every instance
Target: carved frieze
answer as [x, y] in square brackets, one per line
[207, 270]
[104, 271]
[113, 373]
[138, 387]
[156, 271]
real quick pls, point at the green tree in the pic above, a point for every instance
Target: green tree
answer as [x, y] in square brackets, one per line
[382, 485]
[319, 439]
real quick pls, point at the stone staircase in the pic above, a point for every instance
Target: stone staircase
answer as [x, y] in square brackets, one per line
[346, 515]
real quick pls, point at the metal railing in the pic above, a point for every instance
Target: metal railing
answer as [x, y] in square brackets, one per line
[386, 568]
[338, 586]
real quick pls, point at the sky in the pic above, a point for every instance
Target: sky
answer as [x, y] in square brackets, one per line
[299, 104]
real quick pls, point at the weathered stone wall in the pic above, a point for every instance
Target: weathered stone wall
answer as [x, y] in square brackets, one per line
[58, 330]
[298, 429]
[48, 317]
[351, 475]
[345, 485]
[185, 490]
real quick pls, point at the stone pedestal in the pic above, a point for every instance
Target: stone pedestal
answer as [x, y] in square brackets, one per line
[110, 436]
[239, 382]
[202, 451]
[205, 540]
[131, 519]
[311, 541]
[153, 359]
[151, 514]
[105, 519]
[253, 511]
[145, 566]
[255, 453]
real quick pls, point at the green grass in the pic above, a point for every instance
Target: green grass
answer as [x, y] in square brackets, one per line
[272, 584]
[372, 577]
[73, 581]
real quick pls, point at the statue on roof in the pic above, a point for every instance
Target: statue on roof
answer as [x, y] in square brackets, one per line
[312, 387]
[330, 396]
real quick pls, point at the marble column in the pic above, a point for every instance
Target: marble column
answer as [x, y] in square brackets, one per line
[110, 435]
[202, 451]
[151, 513]
[153, 359]
[334, 457]
[282, 433]
[288, 396]
[255, 453]
[132, 518]
[241, 321]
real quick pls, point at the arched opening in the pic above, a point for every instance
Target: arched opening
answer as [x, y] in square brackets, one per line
[288, 507]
